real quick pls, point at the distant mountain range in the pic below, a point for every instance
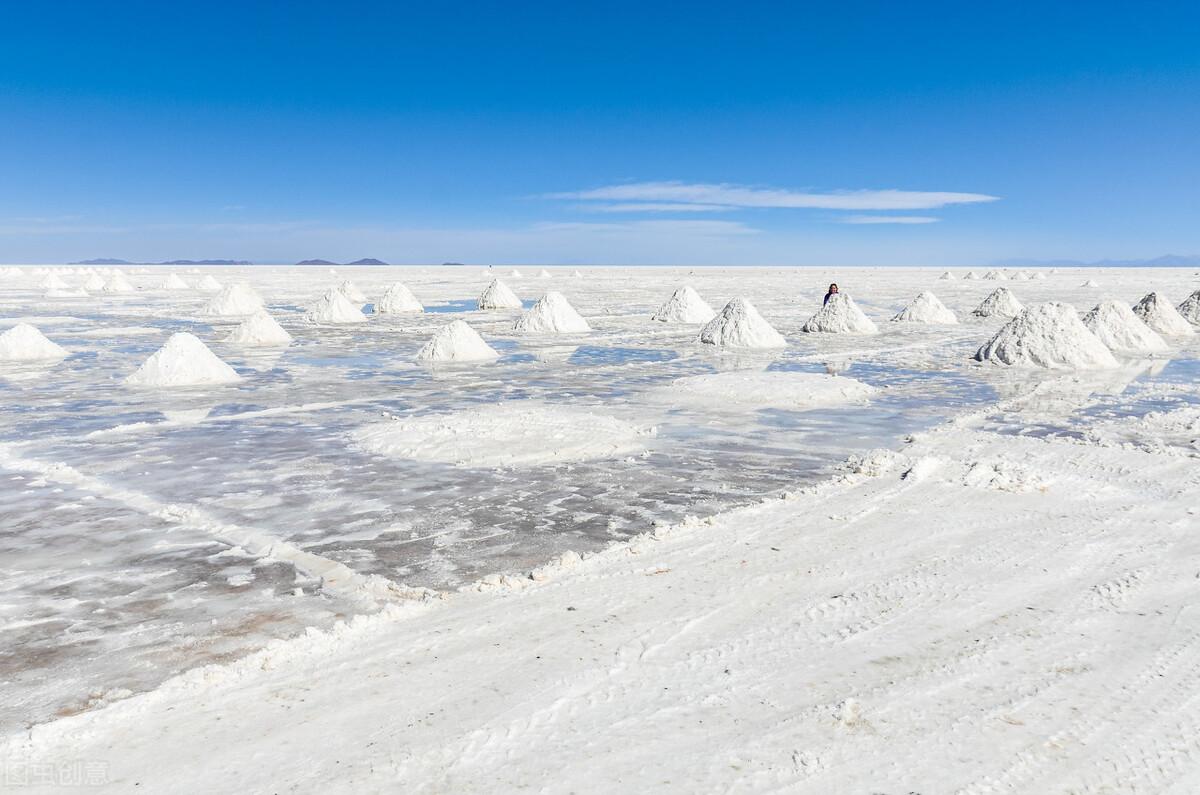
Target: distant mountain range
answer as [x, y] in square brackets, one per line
[1165, 261]
[329, 263]
[110, 261]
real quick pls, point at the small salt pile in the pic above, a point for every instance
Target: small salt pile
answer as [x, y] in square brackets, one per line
[1120, 329]
[260, 330]
[926, 308]
[173, 282]
[234, 300]
[54, 282]
[334, 307]
[398, 300]
[456, 342]
[739, 325]
[117, 284]
[1047, 335]
[348, 289]
[970, 276]
[947, 276]
[1020, 276]
[498, 295]
[1001, 302]
[545, 274]
[183, 361]
[1190, 308]
[1158, 313]
[684, 306]
[515, 274]
[577, 275]
[552, 314]
[994, 276]
[24, 343]
[94, 282]
[1090, 283]
[208, 284]
[840, 315]
[1038, 275]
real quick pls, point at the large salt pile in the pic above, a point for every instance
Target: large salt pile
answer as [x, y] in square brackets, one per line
[334, 307]
[234, 300]
[552, 314]
[995, 276]
[173, 282]
[348, 289]
[117, 283]
[840, 315]
[1047, 335]
[1001, 302]
[1190, 308]
[947, 276]
[397, 300]
[739, 325]
[94, 282]
[970, 276]
[1021, 276]
[54, 282]
[456, 342]
[1120, 329]
[24, 343]
[498, 295]
[1158, 313]
[208, 284]
[183, 361]
[684, 306]
[260, 330]
[925, 308]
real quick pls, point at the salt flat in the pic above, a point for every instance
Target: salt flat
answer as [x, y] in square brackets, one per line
[963, 577]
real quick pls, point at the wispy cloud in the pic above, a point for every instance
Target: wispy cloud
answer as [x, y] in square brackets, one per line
[688, 228]
[655, 207]
[740, 196]
[888, 219]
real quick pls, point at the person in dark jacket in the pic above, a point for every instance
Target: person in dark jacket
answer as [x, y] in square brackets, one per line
[832, 291]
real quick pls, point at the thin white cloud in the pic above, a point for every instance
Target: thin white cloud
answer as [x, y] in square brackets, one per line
[655, 207]
[724, 194]
[889, 219]
[683, 228]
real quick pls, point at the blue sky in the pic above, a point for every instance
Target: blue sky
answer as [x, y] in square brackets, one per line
[709, 133]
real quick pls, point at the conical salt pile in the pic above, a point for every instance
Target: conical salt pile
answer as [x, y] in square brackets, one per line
[397, 300]
[1020, 276]
[234, 300]
[994, 276]
[840, 315]
[498, 295]
[1158, 313]
[577, 275]
[1001, 302]
[348, 289]
[456, 342]
[926, 308]
[1038, 275]
[260, 330]
[173, 282]
[117, 283]
[183, 361]
[552, 314]
[335, 307]
[1090, 283]
[208, 284]
[54, 282]
[739, 325]
[1120, 329]
[24, 343]
[514, 273]
[970, 276]
[1190, 308]
[1047, 335]
[544, 274]
[94, 282]
[947, 276]
[684, 306]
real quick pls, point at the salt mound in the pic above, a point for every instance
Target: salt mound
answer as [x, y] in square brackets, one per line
[117, 283]
[552, 314]
[208, 284]
[994, 276]
[545, 274]
[398, 299]
[740, 326]
[348, 289]
[840, 315]
[1000, 302]
[24, 343]
[741, 390]
[183, 361]
[1120, 329]
[1190, 308]
[54, 282]
[1020, 276]
[498, 295]
[970, 276]
[1090, 283]
[1038, 275]
[94, 282]
[260, 330]
[577, 275]
[173, 282]
[456, 342]
[514, 273]
[513, 433]
[234, 300]
[926, 308]
[1047, 335]
[684, 306]
[947, 276]
[1158, 313]
[334, 307]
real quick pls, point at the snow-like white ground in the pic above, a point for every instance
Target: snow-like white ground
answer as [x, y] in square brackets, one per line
[955, 577]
